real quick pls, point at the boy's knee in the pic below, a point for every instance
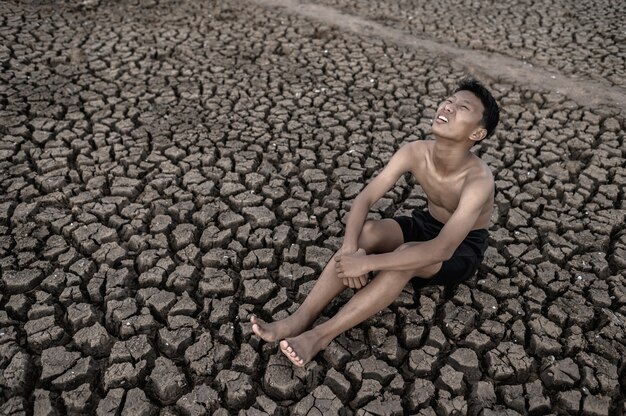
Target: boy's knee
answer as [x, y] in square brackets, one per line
[368, 227]
[368, 237]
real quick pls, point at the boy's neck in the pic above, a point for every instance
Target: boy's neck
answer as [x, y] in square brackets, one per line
[450, 156]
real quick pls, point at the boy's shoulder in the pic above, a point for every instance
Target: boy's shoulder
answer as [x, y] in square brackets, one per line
[479, 170]
[419, 146]
[421, 143]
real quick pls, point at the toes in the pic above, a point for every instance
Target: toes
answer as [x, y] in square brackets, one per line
[255, 320]
[290, 353]
[261, 331]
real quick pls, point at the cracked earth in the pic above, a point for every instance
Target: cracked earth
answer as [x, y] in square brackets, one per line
[168, 168]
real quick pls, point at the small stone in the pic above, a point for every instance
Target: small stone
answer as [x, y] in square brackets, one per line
[77, 401]
[237, 387]
[338, 384]
[513, 397]
[420, 392]
[280, 381]
[320, 401]
[560, 374]
[200, 401]
[597, 405]
[17, 376]
[94, 340]
[422, 361]
[537, 402]
[56, 361]
[124, 375]
[483, 396]
[138, 404]
[83, 371]
[369, 389]
[466, 361]
[168, 381]
[111, 404]
[44, 405]
[569, 401]
[508, 361]
[451, 380]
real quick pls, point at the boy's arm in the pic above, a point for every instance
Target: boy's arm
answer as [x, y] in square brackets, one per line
[400, 163]
[474, 197]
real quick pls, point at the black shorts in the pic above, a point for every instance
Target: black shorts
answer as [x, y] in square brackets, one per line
[421, 226]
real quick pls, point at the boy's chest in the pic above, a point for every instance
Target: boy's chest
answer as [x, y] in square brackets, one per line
[441, 191]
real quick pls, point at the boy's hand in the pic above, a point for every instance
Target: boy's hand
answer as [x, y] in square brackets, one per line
[351, 265]
[355, 282]
[352, 282]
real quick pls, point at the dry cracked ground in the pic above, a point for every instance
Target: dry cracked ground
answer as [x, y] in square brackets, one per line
[168, 168]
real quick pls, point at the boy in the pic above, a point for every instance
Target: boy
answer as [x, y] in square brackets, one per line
[441, 245]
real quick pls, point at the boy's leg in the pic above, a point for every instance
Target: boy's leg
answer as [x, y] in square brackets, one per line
[377, 236]
[328, 286]
[374, 297]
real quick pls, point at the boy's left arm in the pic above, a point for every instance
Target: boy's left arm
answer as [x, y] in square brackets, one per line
[473, 199]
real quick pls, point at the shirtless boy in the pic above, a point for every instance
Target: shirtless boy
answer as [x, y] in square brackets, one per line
[442, 245]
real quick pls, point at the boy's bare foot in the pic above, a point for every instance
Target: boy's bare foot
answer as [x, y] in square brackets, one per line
[274, 331]
[301, 349]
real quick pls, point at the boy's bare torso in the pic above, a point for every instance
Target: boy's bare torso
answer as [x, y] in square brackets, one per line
[443, 191]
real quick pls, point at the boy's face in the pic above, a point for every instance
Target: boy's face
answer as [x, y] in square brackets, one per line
[460, 117]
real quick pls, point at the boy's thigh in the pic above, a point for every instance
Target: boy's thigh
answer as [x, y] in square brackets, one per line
[381, 236]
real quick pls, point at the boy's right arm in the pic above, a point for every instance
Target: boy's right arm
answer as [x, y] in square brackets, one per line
[401, 162]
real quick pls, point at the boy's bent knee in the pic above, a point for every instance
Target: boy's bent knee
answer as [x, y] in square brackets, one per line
[380, 236]
[368, 227]
[369, 238]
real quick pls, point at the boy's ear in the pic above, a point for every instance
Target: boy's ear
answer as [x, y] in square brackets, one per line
[478, 134]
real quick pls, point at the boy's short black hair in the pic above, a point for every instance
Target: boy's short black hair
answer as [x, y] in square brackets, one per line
[491, 115]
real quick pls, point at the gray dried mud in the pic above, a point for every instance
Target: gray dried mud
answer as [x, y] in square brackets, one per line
[168, 168]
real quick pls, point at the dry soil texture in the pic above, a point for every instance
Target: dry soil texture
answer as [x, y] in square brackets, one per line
[168, 168]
